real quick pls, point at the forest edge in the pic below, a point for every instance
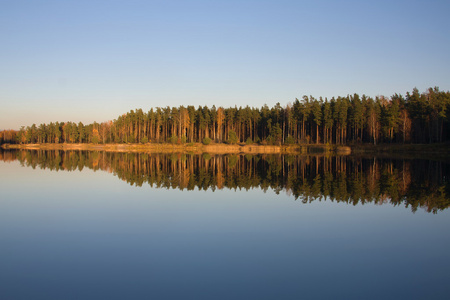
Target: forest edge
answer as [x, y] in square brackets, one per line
[216, 148]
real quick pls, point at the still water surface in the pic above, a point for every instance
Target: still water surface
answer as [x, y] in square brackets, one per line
[87, 235]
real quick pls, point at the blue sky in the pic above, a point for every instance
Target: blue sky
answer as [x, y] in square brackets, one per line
[95, 60]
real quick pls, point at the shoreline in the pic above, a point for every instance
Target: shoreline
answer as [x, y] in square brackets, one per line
[190, 148]
[410, 151]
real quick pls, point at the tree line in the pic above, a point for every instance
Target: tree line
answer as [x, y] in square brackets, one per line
[343, 179]
[414, 118]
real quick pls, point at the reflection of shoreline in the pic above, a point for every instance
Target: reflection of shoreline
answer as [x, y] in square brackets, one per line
[416, 183]
[191, 147]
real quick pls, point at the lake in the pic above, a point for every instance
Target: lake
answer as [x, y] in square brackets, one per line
[103, 225]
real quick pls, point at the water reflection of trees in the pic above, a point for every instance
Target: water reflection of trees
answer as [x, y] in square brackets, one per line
[353, 180]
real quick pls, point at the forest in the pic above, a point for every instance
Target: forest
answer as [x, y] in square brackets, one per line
[343, 179]
[414, 118]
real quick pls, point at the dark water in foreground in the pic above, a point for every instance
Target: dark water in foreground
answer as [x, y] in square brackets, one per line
[222, 227]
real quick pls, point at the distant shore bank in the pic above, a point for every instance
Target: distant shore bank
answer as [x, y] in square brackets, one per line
[439, 151]
[429, 151]
[191, 147]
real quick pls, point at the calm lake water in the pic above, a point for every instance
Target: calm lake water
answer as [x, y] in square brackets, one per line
[95, 225]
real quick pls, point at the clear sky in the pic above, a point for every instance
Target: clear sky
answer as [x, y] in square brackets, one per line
[95, 60]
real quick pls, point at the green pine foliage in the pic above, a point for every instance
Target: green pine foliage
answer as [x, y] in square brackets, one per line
[206, 141]
[414, 118]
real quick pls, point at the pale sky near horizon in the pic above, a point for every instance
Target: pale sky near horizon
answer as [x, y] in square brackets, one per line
[95, 60]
